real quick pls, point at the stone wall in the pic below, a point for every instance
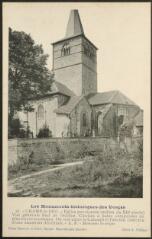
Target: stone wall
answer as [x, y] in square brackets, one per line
[35, 123]
[76, 127]
[109, 123]
[68, 69]
[55, 149]
[62, 121]
[76, 70]
[111, 118]
[89, 70]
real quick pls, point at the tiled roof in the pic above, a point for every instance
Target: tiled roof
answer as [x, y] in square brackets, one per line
[69, 106]
[139, 118]
[114, 97]
[58, 87]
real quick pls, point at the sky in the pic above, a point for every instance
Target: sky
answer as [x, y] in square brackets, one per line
[121, 31]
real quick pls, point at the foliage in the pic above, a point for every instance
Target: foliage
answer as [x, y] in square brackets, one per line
[15, 129]
[44, 132]
[126, 129]
[114, 172]
[114, 164]
[106, 168]
[28, 74]
[140, 148]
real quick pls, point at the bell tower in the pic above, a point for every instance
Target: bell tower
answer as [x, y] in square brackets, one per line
[74, 58]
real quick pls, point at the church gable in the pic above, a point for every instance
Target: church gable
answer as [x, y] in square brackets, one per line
[81, 119]
[60, 88]
[82, 104]
[73, 102]
[69, 106]
[78, 111]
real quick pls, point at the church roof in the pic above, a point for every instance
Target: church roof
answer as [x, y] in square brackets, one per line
[69, 106]
[114, 97]
[58, 87]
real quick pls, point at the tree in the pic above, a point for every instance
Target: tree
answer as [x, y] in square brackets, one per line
[28, 75]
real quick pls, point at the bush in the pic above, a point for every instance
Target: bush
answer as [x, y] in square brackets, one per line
[17, 130]
[111, 165]
[44, 132]
[14, 127]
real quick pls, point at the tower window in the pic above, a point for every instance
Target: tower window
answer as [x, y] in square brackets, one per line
[40, 112]
[65, 49]
[88, 51]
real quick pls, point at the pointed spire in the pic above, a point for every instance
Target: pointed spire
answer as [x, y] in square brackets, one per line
[74, 26]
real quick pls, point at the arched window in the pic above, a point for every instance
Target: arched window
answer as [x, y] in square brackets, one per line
[65, 49]
[40, 112]
[84, 120]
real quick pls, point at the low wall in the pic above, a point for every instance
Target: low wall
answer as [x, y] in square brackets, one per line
[55, 149]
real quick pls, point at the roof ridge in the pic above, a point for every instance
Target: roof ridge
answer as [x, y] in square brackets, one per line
[69, 103]
[77, 101]
[63, 85]
[116, 92]
[123, 94]
[114, 97]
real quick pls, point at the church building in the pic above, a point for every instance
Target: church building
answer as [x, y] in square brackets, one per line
[73, 107]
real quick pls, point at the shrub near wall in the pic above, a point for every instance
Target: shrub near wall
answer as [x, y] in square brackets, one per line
[57, 150]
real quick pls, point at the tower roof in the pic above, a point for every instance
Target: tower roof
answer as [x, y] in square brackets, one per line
[74, 26]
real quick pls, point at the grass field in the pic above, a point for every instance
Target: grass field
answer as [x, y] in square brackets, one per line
[109, 174]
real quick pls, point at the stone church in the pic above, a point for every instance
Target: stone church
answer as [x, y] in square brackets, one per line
[73, 107]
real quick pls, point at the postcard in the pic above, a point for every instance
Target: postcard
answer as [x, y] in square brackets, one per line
[76, 119]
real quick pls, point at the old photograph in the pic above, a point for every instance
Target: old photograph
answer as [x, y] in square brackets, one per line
[75, 110]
